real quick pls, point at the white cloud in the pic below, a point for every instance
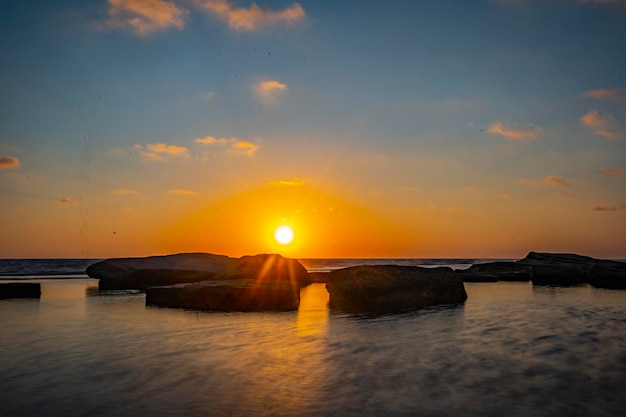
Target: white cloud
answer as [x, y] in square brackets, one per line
[233, 145]
[251, 18]
[144, 17]
[158, 151]
[524, 133]
[208, 96]
[269, 90]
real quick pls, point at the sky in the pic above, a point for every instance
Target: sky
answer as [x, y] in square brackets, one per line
[412, 129]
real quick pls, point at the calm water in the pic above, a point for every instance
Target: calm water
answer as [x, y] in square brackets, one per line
[511, 350]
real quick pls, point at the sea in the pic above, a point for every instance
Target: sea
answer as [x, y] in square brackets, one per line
[512, 349]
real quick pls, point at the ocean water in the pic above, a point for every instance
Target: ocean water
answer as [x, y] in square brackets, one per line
[512, 349]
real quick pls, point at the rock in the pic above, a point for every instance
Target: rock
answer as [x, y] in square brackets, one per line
[496, 271]
[20, 290]
[266, 267]
[572, 269]
[393, 288]
[608, 274]
[559, 275]
[144, 278]
[225, 295]
[118, 274]
[250, 283]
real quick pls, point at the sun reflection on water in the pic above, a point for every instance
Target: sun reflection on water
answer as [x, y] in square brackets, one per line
[313, 310]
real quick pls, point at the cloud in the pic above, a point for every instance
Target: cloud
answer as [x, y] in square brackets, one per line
[294, 182]
[505, 196]
[9, 162]
[598, 207]
[180, 191]
[251, 18]
[454, 209]
[144, 17]
[613, 171]
[550, 179]
[604, 124]
[610, 134]
[208, 96]
[158, 151]
[125, 191]
[606, 94]
[234, 145]
[564, 196]
[596, 120]
[526, 133]
[528, 181]
[269, 90]
[67, 201]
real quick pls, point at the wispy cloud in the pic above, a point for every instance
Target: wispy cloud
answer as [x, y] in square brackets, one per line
[144, 17]
[598, 207]
[9, 162]
[610, 134]
[613, 171]
[158, 151]
[550, 179]
[596, 120]
[505, 196]
[269, 90]
[208, 96]
[67, 201]
[294, 182]
[235, 145]
[251, 18]
[564, 196]
[528, 181]
[603, 124]
[519, 133]
[180, 191]
[606, 94]
[125, 191]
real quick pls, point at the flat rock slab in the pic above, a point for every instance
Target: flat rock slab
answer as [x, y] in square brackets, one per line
[227, 295]
[393, 288]
[122, 273]
[20, 290]
[573, 269]
[496, 271]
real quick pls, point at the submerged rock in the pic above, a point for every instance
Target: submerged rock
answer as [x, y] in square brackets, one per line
[20, 290]
[392, 288]
[251, 283]
[124, 273]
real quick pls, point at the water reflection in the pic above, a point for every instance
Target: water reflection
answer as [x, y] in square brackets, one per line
[313, 310]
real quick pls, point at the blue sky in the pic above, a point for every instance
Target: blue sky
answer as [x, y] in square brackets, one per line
[484, 128]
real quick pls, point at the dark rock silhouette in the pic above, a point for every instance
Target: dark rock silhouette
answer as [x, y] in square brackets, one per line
[392, 288]
[251, 283]
[496, 271]
[20, 290]
[572, 269]
[140, 273]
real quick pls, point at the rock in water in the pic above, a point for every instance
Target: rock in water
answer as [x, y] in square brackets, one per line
[20, 290]
[393, 288]
[225, 295]
[251, 283]
[496, 271]
[122, 273]
[572, 269]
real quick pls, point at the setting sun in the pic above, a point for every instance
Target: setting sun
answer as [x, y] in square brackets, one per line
[283, 235]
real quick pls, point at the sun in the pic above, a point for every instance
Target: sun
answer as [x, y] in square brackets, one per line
[283, 235]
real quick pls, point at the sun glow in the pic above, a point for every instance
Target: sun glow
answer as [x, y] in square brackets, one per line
[284, 235]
